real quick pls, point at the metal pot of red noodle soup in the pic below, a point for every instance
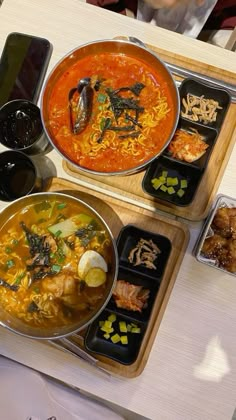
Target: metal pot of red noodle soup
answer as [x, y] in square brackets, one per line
[110, 107]
[58, 265]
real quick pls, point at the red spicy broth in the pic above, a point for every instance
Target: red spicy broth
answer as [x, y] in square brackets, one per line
[118, 149]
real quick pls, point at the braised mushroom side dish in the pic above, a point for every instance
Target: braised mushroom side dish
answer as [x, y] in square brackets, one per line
[55, 258]
[221, 246]
[144, 253]
[200, 109]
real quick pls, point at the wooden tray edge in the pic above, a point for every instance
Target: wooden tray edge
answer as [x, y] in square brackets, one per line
[188, 63]
[190, 212]
[135, 369]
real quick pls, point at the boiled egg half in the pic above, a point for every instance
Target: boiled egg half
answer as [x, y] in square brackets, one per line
[92, 268]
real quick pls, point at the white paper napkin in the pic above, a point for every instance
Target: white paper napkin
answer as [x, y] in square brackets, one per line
[28, 395]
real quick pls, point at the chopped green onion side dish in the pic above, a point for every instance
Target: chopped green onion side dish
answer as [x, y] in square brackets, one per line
[108, 323]
[123, 326]
[180, 192]
[170, 185]
[112, 317]
[183, 183]
[115, 338]
[117, 333]
[124, 339]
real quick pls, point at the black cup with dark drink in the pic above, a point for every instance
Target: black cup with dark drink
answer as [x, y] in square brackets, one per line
[21, 127]
[18, 176]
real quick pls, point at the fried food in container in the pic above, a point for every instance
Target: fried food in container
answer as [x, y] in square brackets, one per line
[216, 245]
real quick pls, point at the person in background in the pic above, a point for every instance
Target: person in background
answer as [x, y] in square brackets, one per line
[223, 16]
[220, 24]
[182, 16]
[118, 6]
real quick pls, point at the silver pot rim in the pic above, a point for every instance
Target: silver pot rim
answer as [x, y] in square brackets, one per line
[143, 165]
[75, 330]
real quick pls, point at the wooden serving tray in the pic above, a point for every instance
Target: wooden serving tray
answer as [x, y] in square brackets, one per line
[117, 214]
[131, 186]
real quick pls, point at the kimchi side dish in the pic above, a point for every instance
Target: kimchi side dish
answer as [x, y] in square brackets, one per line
[110, 112]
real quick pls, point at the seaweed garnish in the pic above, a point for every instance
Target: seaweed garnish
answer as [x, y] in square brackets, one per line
[135, 89]
[86, 234]
[39, 248]
[127, 106]
[119, 103]
[70, 244]
[33, 307]
[133, 120]
[121, 128]
[134, 135]
[44, 205]
[105, 124]
[13, 287]
[35, 241]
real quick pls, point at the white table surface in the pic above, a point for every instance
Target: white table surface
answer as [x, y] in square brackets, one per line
[191, 371]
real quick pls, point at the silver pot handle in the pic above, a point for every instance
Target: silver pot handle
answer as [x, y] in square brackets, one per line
[68, 345]
[182, 72]
[137, 41]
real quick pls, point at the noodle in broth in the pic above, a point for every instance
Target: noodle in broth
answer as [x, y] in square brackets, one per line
[40, 251]
[116, 148]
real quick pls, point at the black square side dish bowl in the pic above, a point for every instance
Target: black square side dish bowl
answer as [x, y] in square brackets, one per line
[126, 354]
[175, 169]
[199, 89]
[128, 241]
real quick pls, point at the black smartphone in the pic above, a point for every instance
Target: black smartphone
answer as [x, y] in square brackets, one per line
[23, 65]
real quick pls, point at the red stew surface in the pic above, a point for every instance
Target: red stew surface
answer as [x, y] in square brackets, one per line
[118, 149]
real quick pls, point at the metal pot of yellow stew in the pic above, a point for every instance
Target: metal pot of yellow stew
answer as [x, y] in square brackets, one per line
[58, 265]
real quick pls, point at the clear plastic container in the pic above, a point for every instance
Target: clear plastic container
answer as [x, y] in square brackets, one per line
[222, 201]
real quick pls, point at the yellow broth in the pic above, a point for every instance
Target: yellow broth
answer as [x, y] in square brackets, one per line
[41, 286]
